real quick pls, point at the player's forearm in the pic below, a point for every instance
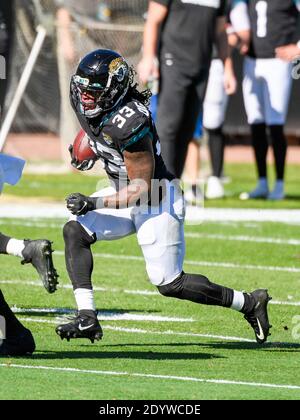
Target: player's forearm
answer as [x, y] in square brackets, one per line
[223, 48]
[155, 16]
[150, 39]
[228, 66]
[221, 40]
[136, 191]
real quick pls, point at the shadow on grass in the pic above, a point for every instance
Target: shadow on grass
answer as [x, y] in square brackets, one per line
[69, 312]
[292, 197]
[230, 345]
[101, 353]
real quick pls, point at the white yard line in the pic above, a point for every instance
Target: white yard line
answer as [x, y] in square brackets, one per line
[194, 215]
[150, 376]
[125, 291]
[107, 315]
[243, 238]
[57, 320]
[243, 266]
[192, 235]
[33, 224]
[34, 211]
[201, 263]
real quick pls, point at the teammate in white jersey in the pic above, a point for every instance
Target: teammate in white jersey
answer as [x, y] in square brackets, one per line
[267, 81]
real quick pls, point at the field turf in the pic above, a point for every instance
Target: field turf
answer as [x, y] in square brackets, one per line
[156, 347]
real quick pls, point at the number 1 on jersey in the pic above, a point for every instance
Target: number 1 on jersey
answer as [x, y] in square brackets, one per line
[262, 18]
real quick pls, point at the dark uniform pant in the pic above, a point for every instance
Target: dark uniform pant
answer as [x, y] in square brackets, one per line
[180, 102]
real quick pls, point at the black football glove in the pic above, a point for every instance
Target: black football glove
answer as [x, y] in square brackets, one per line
[85, 165]
[80, 204]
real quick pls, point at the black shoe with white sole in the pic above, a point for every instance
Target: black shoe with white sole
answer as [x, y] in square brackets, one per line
[82, 326]
[258, 316]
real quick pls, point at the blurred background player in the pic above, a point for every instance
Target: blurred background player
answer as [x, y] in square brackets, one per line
[18, 340]
[214, 109]
[267, 81]
[193, 192]
[184, 58]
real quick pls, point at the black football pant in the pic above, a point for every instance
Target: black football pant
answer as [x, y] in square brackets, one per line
[261, 145]
[3, 243]
[180, 102]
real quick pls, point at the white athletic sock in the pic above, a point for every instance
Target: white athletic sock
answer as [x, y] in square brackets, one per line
[84, 299]
[238, 301]
[15, 247]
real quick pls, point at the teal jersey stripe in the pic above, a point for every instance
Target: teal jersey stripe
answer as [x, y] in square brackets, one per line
[297, 4]
[236, 2]
[137, 137]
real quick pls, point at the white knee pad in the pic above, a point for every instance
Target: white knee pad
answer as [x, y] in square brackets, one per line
[155, 273]
[162, 243]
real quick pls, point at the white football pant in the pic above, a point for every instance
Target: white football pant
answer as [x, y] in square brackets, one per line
[266, 88]
[160, 234]
[215, 102]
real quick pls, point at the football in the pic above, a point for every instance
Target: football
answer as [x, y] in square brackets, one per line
[81, 149]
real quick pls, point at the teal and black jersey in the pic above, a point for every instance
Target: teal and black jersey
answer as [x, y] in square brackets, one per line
[273, 24]
[113, 133]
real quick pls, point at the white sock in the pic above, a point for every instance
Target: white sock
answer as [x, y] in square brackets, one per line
[84, 299]
[15, 247]
[238, 301]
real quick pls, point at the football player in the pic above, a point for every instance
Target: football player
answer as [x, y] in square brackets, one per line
[267, 80]
[145, 199]
[37, 252]
[16, 340]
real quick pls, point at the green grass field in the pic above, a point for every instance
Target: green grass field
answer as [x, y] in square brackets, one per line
[156, 347]
[56, 187]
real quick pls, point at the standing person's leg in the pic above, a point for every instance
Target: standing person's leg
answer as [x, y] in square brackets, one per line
[276, 98]
[79, 234]
[193, 108]
[214, 109]
[161, 237]
[194, 195]
[253, 91]
[37, 252]
[172, 101]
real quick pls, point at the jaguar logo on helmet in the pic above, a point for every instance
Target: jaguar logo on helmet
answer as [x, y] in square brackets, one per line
[119, 68]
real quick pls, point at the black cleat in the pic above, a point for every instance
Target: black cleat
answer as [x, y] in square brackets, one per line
[20, 344]
[39, 254]
[258, 316]
[82, 326]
